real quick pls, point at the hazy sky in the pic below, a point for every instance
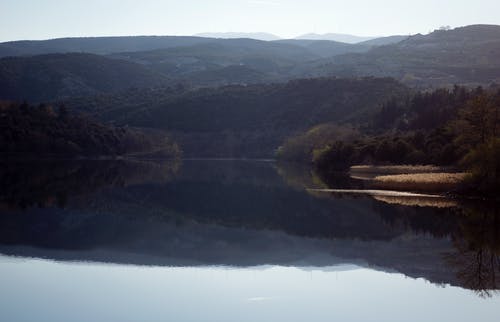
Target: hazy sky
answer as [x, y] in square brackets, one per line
[42, 19]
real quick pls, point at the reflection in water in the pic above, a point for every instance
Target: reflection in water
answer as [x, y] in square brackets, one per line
[238, 214]
[267, 294]
[422, 201]
[474, 228]
[25, 184]
[476, 260]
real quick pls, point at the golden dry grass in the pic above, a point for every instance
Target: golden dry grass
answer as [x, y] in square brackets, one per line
[395, 169]
[428, 182]
[418, 201]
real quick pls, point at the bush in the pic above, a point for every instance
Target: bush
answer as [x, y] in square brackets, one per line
[484, 165]
[338, 157]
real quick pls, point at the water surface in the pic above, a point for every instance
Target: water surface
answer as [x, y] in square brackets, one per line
[235, 240]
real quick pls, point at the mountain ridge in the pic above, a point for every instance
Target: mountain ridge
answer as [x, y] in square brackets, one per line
[265, 36]
[57, 76]
[467, 55]
[346, 38]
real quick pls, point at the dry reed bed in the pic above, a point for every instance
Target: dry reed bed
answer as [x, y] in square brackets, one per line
[428, 182]
[433, 202]
[395, 169]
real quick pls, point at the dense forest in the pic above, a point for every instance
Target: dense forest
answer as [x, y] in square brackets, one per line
[458, 127]
[55, 76]
[242, 121]
[43, 130]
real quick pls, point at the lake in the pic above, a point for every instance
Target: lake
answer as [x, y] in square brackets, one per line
[235, 240]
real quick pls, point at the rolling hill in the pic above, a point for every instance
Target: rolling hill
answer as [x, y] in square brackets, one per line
[109, 45]
[468, 55]
[95, 45]
[243, 121]
[270, 59]
[194, 60]
[58, 76]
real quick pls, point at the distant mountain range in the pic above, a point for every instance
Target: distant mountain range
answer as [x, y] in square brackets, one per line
[233, 35]
[47, 70]
[110, 45]
[344, 38]
[467, 55]
[350, 39]
[69, 67]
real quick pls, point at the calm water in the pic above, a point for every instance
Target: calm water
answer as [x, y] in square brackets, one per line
[235, 241]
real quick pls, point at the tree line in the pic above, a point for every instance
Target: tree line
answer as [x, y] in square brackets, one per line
[45, 130]
[457, 127]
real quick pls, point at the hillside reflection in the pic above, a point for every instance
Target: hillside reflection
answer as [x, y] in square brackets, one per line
[237, 214]
[26, 184]
[472, 227]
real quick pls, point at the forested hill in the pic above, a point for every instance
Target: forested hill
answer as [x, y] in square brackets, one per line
[243, 120]
[222, 62]
[95, 45]
[43, 131]
[55, 76]
[109, 45]
[467, 55]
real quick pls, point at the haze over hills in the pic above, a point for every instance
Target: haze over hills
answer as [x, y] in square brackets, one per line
[99, 45]
[327, 48]
[335, 37]
[109, 45]
[468, 55]
[350, 39]
[261, 55]
[232, 35]
[194, 61]
[381, 41]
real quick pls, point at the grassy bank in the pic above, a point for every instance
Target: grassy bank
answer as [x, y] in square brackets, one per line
[424, 182]
[395, 169]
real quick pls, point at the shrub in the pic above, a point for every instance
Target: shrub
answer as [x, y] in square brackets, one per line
[484, 165]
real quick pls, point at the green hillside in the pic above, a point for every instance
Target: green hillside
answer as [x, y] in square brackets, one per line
[56, 76]
[468, 55]
[243, 120]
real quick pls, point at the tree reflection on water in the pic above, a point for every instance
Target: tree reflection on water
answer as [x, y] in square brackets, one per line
[259, 211]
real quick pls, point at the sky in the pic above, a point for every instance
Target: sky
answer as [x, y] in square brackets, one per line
[45, 19]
